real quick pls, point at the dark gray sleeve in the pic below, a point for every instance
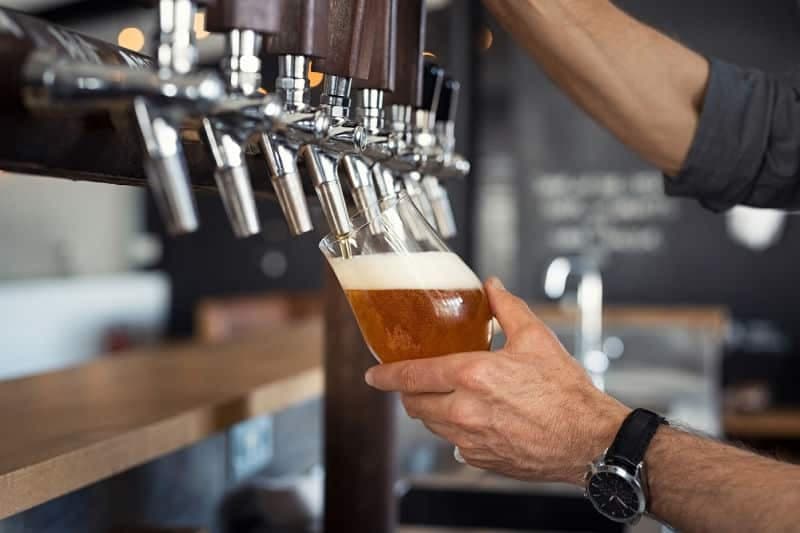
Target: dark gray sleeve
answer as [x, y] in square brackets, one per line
[747, 146]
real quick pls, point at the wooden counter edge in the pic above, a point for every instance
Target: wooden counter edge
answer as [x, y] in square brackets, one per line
[46, 480]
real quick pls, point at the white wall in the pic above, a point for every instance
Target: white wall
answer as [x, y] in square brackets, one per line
[54, 227]
[66, 272]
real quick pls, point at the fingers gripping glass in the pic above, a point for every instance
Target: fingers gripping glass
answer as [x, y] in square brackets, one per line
[412, 297]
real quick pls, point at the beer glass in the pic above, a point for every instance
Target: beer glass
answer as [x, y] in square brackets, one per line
[412, 297]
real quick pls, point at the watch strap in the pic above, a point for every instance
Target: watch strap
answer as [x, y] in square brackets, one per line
[634, 437]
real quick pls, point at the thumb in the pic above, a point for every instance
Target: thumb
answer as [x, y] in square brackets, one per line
[522, 328]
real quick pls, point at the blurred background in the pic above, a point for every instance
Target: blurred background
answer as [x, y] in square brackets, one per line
[87, 269]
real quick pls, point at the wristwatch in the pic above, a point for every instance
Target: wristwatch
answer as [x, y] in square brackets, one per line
[616, 482]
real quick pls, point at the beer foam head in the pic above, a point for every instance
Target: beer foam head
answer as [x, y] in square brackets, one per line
[421, 271]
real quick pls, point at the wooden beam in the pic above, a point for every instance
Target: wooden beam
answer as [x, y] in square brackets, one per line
[360, 428]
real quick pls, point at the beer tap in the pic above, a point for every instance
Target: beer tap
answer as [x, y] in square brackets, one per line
[348, 57]
[369, 105]
[164, 93]
[445, 141]
[164, 162]
[400, 103]
[304, 38]
[423, 137]
[242, 113]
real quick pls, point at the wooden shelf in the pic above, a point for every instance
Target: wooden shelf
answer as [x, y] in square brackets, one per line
[67, 429]
[774, 424]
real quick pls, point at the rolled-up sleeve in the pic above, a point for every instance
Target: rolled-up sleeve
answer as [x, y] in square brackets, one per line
[747, 146]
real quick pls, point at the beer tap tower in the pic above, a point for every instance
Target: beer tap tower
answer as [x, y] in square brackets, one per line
[391, 135]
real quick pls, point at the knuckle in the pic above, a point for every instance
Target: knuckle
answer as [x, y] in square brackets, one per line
[531, 330]
[409, 379]
[462, 414]
[476, 375]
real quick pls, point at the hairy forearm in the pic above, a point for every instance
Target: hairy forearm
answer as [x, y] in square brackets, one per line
[698, 485]
[644, 87]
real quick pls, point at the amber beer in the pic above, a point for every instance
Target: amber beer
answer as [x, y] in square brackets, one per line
[416, 305]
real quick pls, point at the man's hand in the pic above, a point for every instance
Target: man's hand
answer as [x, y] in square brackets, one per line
[527, 411]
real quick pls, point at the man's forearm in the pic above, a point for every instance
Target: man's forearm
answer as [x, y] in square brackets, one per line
[644, 87]
[699, 485]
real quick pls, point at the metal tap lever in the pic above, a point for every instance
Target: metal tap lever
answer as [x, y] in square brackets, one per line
[441, 208]
[164, 162]
[348, 56]
[362, 188]
[369, 105]
[282, 163]
[400, 102]
[385, 185]
[445, 141]
[322, 168]
[304, 37]
[165, 167]
[243, 114]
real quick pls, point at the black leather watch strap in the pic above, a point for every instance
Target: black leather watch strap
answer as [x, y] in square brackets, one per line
[634, 437]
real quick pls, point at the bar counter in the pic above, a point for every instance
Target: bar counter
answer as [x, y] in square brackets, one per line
[67, 429]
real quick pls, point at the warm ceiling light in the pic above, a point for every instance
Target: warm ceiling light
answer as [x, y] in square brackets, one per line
[429, 54]
[485, 39]
[200, 26]
[314, 78]
[262, 90]
[131, 38]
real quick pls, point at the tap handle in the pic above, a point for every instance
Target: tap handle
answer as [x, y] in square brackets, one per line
[349, 45]
[408, 54]
[154, 3]
[432, 80]
[257, 15]
[448, 100]
[383, 16]
[304, 29]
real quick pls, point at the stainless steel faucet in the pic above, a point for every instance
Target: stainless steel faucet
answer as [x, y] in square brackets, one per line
[164, 162]
[164, 92]
[375, 150]
[585, 270]
[227, 129]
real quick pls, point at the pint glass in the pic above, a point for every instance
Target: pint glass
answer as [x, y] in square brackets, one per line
[412, 296]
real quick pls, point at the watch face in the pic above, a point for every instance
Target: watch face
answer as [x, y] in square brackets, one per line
[614, 496]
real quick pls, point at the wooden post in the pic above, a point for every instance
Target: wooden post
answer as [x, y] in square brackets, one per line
[359, 429]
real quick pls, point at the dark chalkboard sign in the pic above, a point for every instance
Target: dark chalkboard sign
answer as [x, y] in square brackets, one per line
[547, 173]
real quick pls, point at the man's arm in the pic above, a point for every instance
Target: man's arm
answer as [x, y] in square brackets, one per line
[644, 87]
[529, 411]
[698, 484]
[725, 135]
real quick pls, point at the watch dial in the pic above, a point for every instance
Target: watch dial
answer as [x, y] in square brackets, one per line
[613, 496]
